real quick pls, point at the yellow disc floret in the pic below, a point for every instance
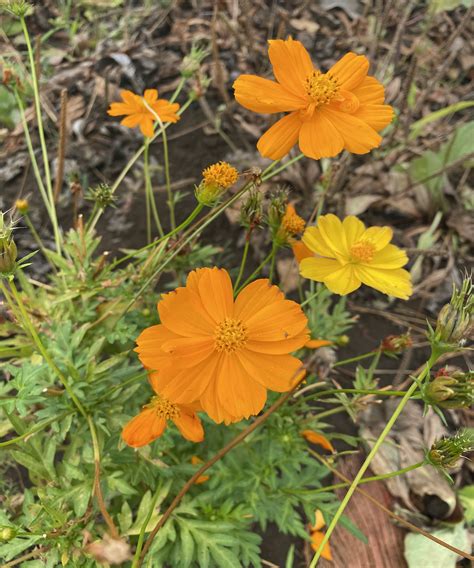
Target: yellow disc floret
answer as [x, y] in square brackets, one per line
[362, 251]
[164, 408]
[221, 174]
[230, 335]
[321, 88]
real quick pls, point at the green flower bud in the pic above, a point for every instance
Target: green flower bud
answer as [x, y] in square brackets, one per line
[208, 194]
[455, 390]
[445, 453]
[8, 250]
[7, 533]
[102, 195]
[276, 210]
[192, 62]
[19, 8]
[251, 212]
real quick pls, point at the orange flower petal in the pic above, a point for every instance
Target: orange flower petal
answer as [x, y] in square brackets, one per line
[238, 392]
[143, 429]
[190, 426]
[280, 138]
[149, 346]
[316, 540]
[151, 96]
[277, 322]
[215, 289]
[277, 347]
[359, 137]
[320, 440]
[254, 297]
[350, 70]
[319, 138]
[186, 385]
[370, 91]
[291, 64]
[118, 109]
[317, 343]
[189, 351]
[319, 521]
[132, 120]
[275, 372]
[265, 96]
[376, 116]
[146, 126]
[129, 97]
[212, 405]
[300, 250]
[182, 312]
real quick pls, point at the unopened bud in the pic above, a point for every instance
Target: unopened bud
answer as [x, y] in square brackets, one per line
[276, 210]
[192, 62]
[8, 250]
[396, 343]
[291, 225]
[19, 8]
[22, 206]
[251, 212]
[7, 533]
[451, 390]
[445, 453]
[102, 195]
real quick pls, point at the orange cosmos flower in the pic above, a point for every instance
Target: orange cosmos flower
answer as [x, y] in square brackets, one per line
[317, 438]
[329, 112]
[317, 535]
[153, 419]
[224, 353]
[137, 113]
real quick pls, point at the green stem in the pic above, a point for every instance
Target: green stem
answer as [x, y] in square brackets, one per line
[368, 479]
[39, 344]
[369, 459]
[150, 198]
[243, 261]
[270, 171]
[330, 412]
[376, 392]
[254, 273]
[178, 90]
[179, 228]
[273, 257]
[35, 429]
[39, 120]
[356, 358]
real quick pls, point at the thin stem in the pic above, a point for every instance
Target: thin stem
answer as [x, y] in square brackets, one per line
[167, 166]
[243, 261]
[179, 228]
[97, 489]
[273, 257]
[369, 458]
[219, 455]
[330, 412]
[39, 119]
[150, 198]
[317, 395]
[39, 344]
[178, 90]
[356, 358]
[366, 479]
[255, 272]
[270, 172]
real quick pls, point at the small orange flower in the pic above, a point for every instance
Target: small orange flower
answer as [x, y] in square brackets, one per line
[317, 536]
[317, 438]
[291, 223]
[137, 113]
[317, 343]
[224, 353]
[152, 421]
[300, 250]
[221, 174]
[202, 478]
[328, 112]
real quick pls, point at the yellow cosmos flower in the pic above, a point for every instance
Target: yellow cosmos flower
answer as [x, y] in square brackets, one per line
[328, 112]
[348, 255]
[222, 353]
[137, 113]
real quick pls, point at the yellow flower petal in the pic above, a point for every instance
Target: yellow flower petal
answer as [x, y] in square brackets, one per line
[395, 283]
[318, 269]
[354, 229]
[343, 281]
[389, 257]
[379, 236]
[314, 241]
[334, 236]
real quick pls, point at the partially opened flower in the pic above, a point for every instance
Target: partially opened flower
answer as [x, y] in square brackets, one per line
[153, 419]
[138, 114]
[346, 255]
[328, 112]
[220, 352]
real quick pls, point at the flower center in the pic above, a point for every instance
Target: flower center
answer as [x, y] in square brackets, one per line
[363, 251]
[222, 174]
[230, 335]
[321, 88]
[164, 408]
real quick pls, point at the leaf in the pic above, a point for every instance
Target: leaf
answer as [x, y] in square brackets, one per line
[418, 548]
[17, 545]
[290, 557]
[466, 496]
[417, 127]
[187, 547]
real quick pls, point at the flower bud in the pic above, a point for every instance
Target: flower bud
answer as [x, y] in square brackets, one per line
[445, 453]
[192, 62]
[451, 390]
[251, 212]
[7, 533]
[8, 250]
[101, 194]
[22, 206]
[456, 319]
[19, 8]
[276, 210]
[396, 343]
[291, 225]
